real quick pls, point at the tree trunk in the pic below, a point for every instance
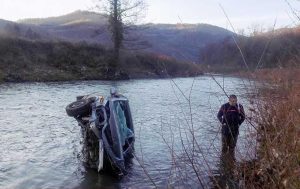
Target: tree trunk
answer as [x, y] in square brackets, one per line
[117, 34]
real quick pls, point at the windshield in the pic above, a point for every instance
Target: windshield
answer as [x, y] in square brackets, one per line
[124, 131]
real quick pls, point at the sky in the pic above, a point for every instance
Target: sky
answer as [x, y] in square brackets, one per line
[243, 14]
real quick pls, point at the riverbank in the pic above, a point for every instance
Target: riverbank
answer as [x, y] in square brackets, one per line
[276, 113]
[25, 60]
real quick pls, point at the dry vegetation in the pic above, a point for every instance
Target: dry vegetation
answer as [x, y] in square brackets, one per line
[277, 115]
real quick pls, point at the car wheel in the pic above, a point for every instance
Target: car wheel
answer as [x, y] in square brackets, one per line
[80, 107]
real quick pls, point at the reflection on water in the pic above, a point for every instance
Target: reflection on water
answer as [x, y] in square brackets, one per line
[225, 176]
[40, 145]
[98, 181]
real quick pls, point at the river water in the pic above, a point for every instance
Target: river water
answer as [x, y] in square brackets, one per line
[40, 145]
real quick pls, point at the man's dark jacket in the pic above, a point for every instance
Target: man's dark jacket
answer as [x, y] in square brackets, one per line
[232, 116]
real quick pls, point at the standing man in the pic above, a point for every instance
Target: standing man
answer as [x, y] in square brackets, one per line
[231, 115]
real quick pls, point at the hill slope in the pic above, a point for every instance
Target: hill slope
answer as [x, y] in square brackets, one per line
[265, 50]
[180, 41]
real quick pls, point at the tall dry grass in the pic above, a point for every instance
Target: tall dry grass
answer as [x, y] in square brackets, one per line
[277, 115]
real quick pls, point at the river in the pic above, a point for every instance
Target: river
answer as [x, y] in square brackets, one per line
[40, 145]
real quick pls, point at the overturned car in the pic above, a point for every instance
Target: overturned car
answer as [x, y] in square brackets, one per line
[107, 130]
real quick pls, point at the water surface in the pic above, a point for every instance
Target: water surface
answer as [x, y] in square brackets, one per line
[40, 145]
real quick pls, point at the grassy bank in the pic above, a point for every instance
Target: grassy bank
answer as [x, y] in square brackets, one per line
[277, 116]
[24, 60]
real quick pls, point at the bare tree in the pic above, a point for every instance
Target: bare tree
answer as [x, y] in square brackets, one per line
[122, 15]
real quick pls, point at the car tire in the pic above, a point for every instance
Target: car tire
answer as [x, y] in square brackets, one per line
[80, 107]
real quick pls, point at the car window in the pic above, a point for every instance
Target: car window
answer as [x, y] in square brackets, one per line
[125, 132]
